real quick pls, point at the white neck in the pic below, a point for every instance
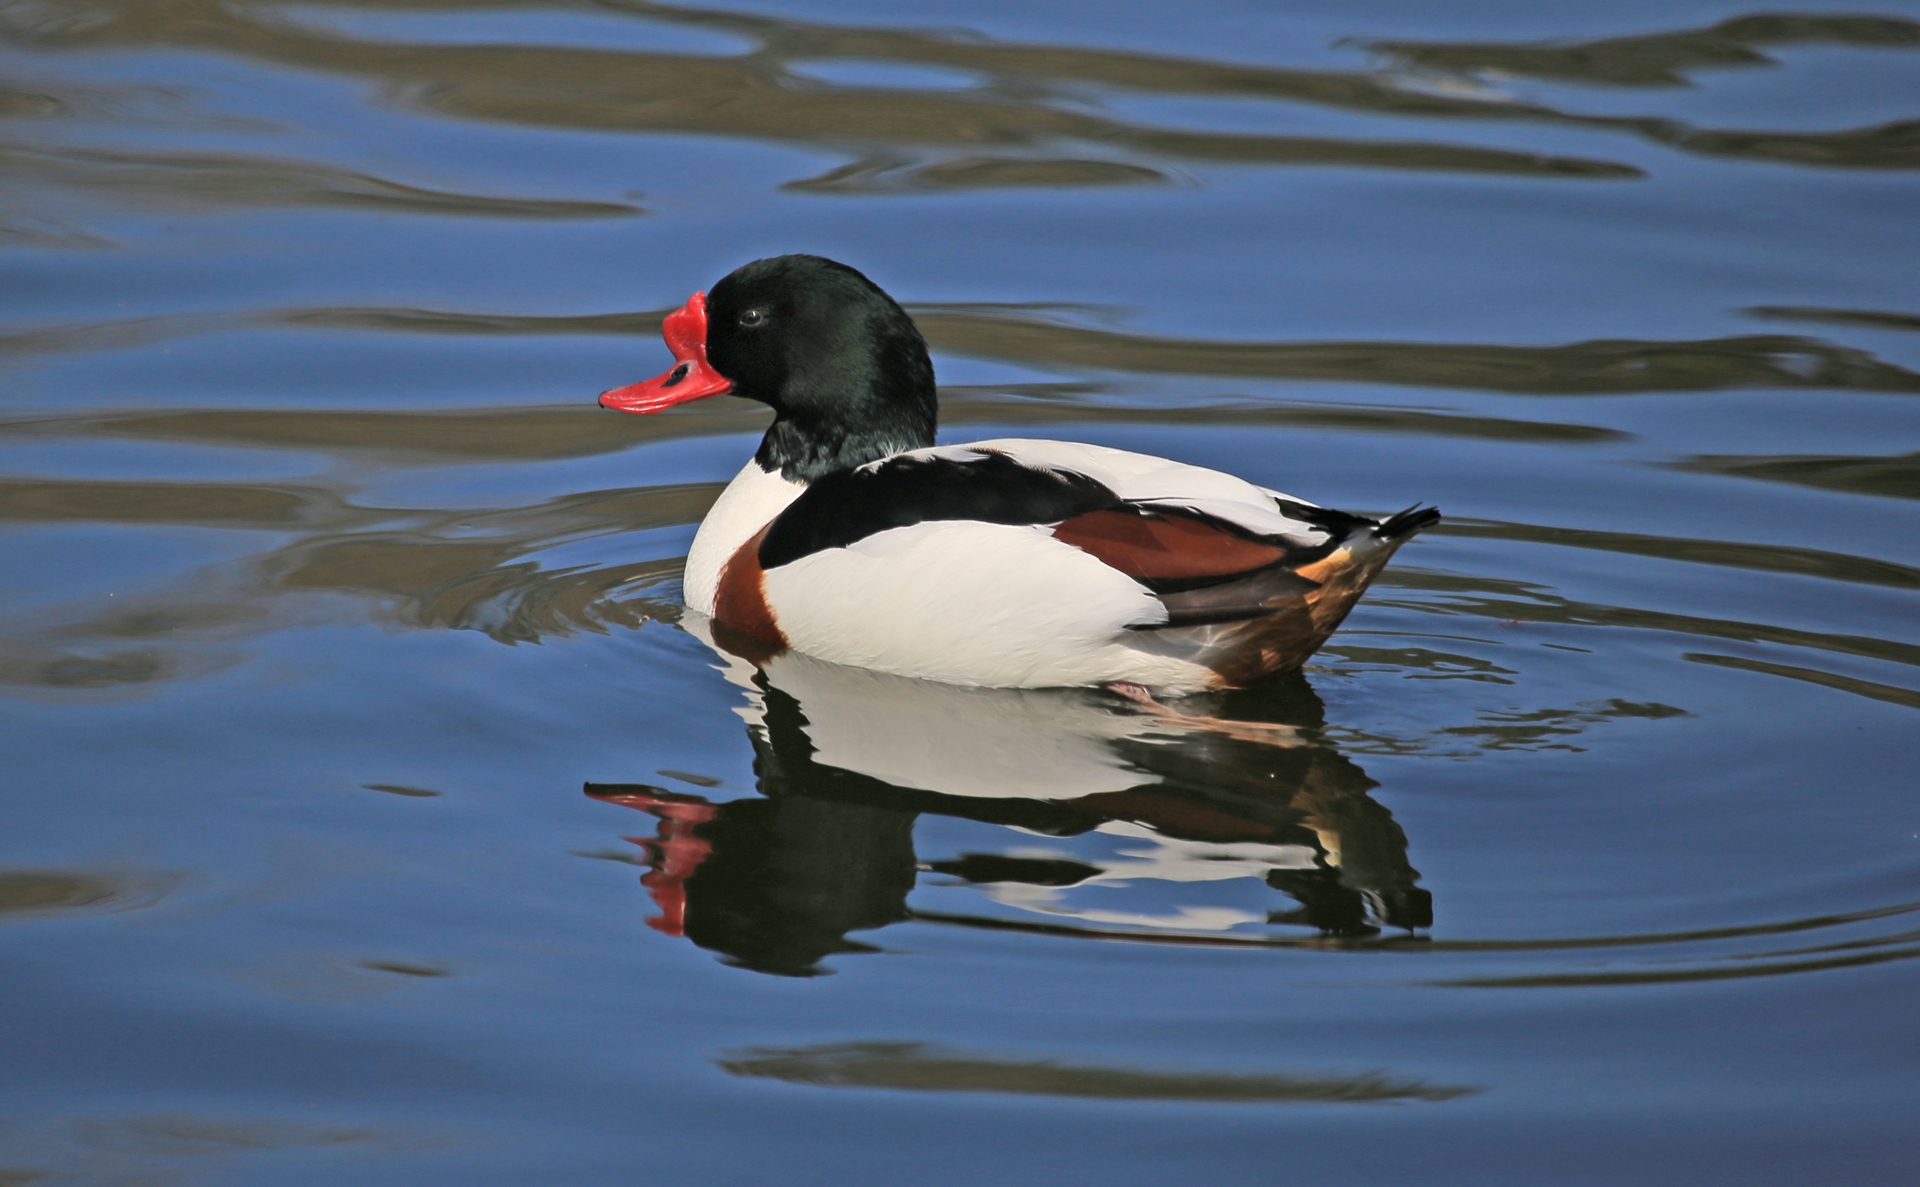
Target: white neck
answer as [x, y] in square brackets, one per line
[748, 504]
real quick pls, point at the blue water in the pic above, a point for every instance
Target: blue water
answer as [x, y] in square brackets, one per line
[1585, 853]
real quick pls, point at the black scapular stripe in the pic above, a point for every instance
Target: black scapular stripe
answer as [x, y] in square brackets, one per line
[848, 506]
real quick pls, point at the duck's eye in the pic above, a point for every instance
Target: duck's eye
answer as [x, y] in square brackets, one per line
[753, 318]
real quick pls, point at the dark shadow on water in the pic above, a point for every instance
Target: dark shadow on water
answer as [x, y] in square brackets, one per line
[917, 1067]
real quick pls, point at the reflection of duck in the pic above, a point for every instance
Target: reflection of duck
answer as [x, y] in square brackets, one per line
[1146, 826]
[1009, 563]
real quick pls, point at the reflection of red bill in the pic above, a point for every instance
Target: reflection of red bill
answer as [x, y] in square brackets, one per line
[675, 853]
[692, 377]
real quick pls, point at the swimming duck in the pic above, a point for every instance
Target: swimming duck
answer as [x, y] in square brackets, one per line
[851, 537]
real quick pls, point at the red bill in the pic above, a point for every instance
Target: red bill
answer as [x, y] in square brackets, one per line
[692, 377]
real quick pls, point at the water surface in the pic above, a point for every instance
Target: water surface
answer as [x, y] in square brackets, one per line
[373, 813]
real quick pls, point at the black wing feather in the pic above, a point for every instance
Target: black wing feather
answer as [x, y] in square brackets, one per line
[846, 507]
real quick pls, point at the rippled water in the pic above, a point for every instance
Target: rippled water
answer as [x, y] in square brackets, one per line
[1586, 853]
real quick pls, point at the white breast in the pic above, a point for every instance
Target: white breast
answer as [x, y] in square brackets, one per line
[748, 504]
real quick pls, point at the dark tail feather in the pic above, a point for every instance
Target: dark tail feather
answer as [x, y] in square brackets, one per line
[1403, 524]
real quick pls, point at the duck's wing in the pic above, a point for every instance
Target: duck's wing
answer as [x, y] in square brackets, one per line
[1158, 483]
[1212, 548]
[1099, 497]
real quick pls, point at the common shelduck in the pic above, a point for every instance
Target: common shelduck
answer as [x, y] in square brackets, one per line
[852, 537]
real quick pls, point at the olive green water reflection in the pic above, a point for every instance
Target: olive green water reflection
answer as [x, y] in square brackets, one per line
[1019, 334]
[912, 1067]
[921, 139]
[26, 893]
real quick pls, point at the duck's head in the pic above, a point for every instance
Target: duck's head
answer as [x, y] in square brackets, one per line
[842, 366]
